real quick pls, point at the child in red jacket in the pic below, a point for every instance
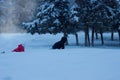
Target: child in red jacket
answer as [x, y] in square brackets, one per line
[20, 48]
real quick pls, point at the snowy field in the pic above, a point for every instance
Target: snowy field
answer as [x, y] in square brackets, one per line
[40, 62]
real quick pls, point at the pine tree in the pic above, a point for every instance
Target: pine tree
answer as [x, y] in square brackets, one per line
[51, 18]
[40, 24]
[102, 14]
[62, 8]
[85, 11]
[98, 14]
[104, 11]
[74, 22]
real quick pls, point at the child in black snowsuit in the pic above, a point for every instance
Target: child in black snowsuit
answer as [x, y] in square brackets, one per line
[60, 44]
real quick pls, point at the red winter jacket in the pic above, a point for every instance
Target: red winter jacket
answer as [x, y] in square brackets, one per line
[20, 48]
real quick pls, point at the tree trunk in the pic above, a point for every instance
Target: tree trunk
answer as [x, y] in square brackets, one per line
[112, 35]
[76, 36]
[85, 36]
[96, 35]
[66, 35]
[119, 34]
[87, 39]
[102, 40]
[93, 30]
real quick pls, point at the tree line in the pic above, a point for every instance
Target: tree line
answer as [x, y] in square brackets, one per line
[56, 16]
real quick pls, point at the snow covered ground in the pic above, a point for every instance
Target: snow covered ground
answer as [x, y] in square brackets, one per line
[40, 62]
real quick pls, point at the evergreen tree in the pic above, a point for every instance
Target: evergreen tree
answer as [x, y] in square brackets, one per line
[98, 14]
[62, 6]
[96, 11]
[102, 14]
[85, 11]
[104, 11]
[40, 24]
[52, 17]
[74, 22]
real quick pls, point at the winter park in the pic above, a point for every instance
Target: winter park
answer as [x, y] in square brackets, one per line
[59, 39]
